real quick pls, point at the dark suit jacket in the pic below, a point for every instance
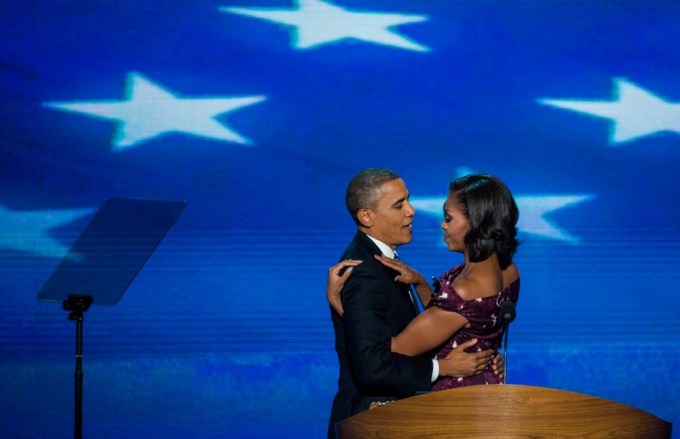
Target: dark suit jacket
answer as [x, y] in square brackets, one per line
[376, 309]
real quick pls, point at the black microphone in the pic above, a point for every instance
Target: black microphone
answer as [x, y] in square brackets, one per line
[507, 314]
[436, 285]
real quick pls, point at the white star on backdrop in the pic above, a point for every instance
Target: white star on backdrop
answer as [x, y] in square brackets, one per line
[635, 112]
[317, 22]
[533, 210]
[150, 111]
[28, 231]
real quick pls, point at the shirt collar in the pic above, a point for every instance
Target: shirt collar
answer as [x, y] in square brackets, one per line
[384, 248]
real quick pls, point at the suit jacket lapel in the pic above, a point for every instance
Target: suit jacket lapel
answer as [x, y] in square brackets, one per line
[403, 288]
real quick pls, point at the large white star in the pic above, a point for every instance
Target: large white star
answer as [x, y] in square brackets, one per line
[150, 111]
[28, 231]
[317, 22]
[634, 113]
[533, 210]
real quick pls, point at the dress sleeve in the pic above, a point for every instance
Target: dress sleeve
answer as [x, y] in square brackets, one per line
[477, 311]
[448, 299]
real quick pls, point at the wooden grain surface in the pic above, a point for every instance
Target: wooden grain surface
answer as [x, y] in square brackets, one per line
[504, 411]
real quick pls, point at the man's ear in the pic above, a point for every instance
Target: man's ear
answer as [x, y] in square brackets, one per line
[365, 217]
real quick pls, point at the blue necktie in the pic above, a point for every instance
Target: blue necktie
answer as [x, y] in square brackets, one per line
[410, 288]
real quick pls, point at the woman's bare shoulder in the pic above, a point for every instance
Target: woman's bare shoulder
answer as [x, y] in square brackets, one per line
[510, 274]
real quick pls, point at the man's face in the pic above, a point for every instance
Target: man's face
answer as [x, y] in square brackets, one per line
[391, 221]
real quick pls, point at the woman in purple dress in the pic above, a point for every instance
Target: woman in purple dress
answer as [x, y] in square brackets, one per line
[480, 218]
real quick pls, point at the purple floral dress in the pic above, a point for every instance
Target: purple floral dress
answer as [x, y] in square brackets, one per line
[482, 314]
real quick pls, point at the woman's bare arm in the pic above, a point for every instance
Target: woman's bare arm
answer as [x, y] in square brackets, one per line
[427, 331]
[337, 276]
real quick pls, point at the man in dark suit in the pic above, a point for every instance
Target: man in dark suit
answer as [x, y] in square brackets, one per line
[376, 308]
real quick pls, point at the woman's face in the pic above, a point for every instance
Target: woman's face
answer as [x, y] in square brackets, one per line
[455, 225]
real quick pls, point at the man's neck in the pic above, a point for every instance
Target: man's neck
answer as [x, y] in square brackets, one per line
[384, 248]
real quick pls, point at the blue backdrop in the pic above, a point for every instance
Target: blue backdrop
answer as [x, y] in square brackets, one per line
[258, 112]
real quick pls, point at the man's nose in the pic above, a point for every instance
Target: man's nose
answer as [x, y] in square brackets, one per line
[410, 210]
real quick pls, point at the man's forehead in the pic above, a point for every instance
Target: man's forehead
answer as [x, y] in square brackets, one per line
[393, 191]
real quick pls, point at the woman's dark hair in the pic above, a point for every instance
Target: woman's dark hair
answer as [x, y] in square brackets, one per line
[492, 213]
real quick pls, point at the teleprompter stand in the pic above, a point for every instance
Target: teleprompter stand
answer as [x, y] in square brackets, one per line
[78, 305]
[102, 263]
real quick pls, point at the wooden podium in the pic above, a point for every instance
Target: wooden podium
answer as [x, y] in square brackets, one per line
[504, 411]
